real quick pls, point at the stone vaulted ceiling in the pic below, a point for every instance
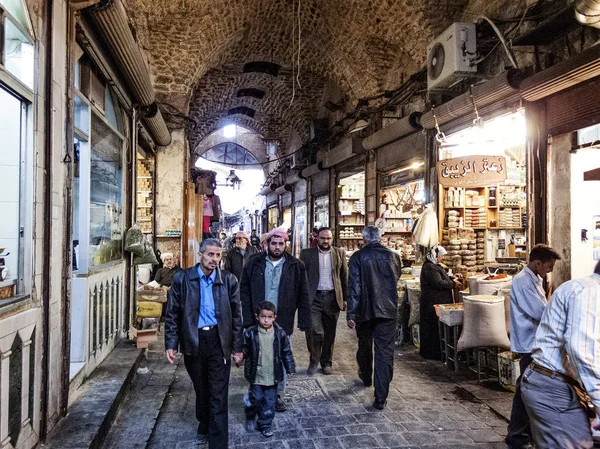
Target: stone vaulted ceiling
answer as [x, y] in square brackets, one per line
[351, 48]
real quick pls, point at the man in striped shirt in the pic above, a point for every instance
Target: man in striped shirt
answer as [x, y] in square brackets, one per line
[566, 358]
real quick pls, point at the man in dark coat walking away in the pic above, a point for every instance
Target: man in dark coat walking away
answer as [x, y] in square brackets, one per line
[279, 278]
[327, 272]
[204, 321]
[372, 310]
[238, 256]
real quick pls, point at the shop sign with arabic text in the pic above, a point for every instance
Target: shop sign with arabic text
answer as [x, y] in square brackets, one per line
[476, 171]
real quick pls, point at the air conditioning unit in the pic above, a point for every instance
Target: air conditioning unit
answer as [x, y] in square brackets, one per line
[297, 161]
[449, 56]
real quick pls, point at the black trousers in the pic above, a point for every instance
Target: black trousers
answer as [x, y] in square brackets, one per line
[320, 338]
[209, 371]
[519, 427]
[262, 403]
[382, 333]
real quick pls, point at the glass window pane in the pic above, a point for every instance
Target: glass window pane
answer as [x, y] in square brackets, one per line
[16, 8]
[10, 171]
[18, 54]
[106, 200]
[81, 115]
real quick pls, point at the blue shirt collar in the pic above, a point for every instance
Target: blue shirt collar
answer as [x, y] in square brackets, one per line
[210, 278]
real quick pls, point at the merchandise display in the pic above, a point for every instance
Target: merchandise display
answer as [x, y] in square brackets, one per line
[145, 199]
[351, 212]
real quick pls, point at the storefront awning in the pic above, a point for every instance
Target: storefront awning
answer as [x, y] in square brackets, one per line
[346, 150]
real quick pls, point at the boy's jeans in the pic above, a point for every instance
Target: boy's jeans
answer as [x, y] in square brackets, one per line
[262, 400]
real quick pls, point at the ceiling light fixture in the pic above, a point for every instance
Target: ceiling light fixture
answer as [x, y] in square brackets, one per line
[233, 180]
[359, 125]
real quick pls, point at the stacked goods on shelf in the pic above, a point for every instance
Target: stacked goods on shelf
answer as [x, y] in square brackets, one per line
[509, 218]
[480, 250]
[144, 213]
[359, 206]
[461, 246]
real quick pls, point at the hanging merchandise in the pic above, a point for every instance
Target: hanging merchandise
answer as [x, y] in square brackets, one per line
[134, 240]
[426, 228]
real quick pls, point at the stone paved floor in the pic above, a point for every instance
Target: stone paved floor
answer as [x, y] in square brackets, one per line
[426, 407]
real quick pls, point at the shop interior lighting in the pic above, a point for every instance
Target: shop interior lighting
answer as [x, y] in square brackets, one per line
[413, 166]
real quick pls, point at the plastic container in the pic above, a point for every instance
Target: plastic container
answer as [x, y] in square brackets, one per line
[451, 314]
[508, 370]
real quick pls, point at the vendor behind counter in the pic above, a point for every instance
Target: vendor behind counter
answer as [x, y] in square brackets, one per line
[164, 275]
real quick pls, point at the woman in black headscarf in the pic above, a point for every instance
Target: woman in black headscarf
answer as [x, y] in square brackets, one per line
[436, 288]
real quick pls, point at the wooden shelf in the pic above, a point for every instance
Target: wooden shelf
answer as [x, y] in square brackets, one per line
[348, 198]
[144, 177]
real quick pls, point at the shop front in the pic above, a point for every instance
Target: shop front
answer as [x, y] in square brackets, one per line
[483, 195]
[402, 193]
[572, 121]
[350, 204]
[300, 228]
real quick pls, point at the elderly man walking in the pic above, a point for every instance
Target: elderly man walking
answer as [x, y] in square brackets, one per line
[327, 272]
[238, 256]
[374, 271]
[279, 278]
[204, 321]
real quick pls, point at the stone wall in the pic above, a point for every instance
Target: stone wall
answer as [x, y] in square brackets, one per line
[559, 205]
[171, 173]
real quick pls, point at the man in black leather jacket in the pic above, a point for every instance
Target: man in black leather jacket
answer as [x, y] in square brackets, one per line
[204, 320]
[372, 310]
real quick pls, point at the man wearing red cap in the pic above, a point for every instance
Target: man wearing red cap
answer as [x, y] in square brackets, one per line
[238, 256]
[280, 278]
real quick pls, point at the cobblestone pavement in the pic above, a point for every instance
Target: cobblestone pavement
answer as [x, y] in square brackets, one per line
[426, 408]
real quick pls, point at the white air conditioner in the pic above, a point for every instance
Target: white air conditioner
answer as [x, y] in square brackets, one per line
[297, 162]
[449, 56]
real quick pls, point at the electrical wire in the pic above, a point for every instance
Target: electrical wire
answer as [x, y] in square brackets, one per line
[511, 57]
[293, 51]
[299, 47]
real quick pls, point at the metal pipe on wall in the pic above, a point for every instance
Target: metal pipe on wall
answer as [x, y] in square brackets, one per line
[588, 12]
[582, 67]
[312, 170]
[403, 127]
[47, 218]
[484, 94]
[157, 127]
[268, 189]
[110, 16]
[111, 19]
[283, 189]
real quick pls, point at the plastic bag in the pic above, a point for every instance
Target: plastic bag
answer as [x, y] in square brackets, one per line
[483, 323]
[147, 255]
[134, 241]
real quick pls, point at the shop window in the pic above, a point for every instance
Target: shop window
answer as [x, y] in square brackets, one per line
[106, 199]
[17, 44]
[97, 184]
[13, 202]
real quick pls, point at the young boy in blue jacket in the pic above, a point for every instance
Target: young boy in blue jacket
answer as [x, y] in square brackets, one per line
[267, 352]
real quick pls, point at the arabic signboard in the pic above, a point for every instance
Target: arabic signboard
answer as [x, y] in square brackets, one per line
[472, 171]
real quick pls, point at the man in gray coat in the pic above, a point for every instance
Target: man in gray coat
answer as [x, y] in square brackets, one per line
[327, 273]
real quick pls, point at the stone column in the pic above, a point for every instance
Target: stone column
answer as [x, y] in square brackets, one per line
[171, 173]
